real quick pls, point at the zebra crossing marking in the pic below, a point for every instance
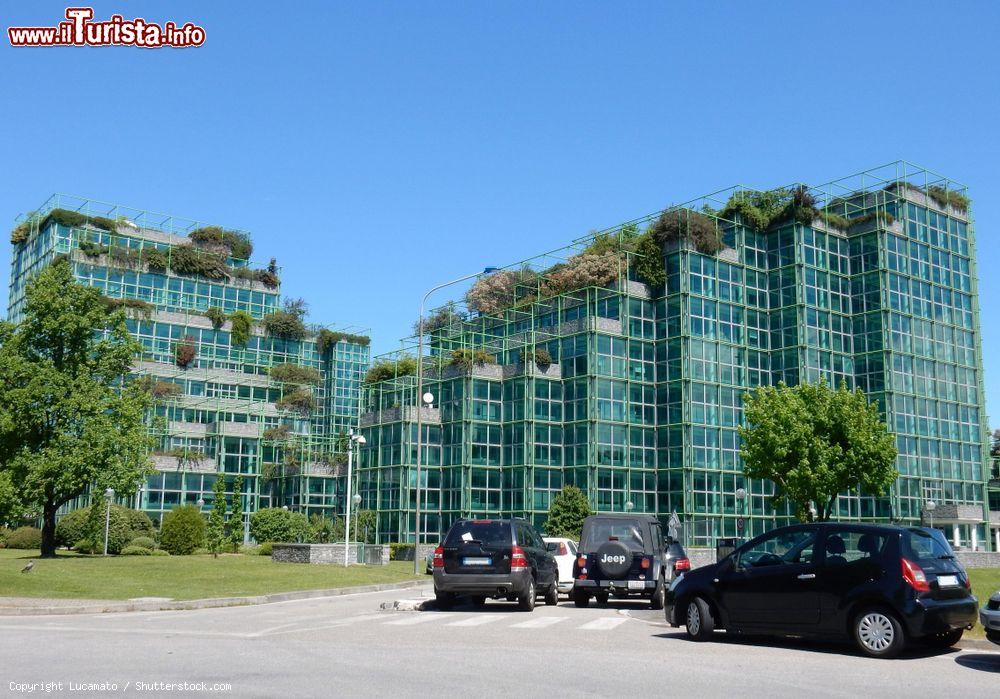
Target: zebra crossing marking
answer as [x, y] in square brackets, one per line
[603, 624]
[539, 623]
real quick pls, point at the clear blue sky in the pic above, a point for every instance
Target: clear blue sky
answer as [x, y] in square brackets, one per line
[377, 149]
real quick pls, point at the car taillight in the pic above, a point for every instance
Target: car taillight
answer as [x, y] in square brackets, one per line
[562, 549]
[914, 576]
[645, 562]
[517, 558]
[682, 564]
[439, 557]
[968, 583]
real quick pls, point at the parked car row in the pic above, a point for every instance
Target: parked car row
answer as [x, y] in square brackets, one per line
[880, 586]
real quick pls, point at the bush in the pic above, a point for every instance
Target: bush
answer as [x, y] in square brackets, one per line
[20, 233]
[84, 528]
[943, 196]
[495, 292]
[289, 373]
[217, 316]
[265, 549]
[684, 224]
[389, 369]
[133, 550]
[183, 531]
[540, 356]
[276, 524]
[158, 552]
[648, 262]
[299, 401]
[214, 238]
[328, 338]
[401, 552]
[185, 352]
[156, 260]
[143, 541]
[242, 328]
[4, 533]
[467, 358]
[187, 260]
[249, 550]
[284, 325]
[582, 271]
[25, 538]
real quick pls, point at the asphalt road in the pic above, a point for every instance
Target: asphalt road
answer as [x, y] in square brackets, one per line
[346, 646]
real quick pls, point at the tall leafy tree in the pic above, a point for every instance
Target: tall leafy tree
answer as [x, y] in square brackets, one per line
[566, 513]
[236, 518]
[217, 517]
[814, 443]
[70, 418]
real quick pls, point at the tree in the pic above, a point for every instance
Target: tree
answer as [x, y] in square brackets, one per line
[364, 523]
[70, 418]
[566, 513]
[236, 518]
[217, 517]
[814, 443]
[326, 530]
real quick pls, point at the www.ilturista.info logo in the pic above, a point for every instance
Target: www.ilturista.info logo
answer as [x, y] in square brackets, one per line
[80, 30]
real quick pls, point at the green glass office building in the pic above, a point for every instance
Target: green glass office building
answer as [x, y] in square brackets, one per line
[269, 399]
[619, 363]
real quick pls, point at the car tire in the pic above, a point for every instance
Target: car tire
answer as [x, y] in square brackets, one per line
[526, 602]
[602, 599]
[877, 633]
[478, 600]
[552, 596]
[945, 639]
[580, 598]
[659, 595]
[444, 600]
[699, 622]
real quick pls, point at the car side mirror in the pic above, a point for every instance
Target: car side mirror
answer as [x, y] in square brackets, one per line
[552, 546]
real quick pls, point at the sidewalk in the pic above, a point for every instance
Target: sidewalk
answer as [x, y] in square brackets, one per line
[37, 606]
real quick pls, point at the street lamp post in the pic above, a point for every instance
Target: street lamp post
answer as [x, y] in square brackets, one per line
[930, 506]
[421, 397]
[741, 498]
[352, 439]
[109, 495]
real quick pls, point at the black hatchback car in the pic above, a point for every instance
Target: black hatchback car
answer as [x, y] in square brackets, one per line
[878, 585]
[620, 555]
[497, 558]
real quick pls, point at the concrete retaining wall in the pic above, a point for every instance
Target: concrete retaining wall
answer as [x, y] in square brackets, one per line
[328, 554]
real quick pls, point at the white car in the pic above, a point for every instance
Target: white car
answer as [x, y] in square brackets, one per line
[564, 551]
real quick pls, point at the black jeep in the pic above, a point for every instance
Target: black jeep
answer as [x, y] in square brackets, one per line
[620, 555]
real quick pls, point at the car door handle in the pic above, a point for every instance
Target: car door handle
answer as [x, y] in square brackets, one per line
[807, 576]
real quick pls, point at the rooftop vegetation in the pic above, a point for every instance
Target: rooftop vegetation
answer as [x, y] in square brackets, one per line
[294, 374]
[389, 369]
[467, 358]
[241, 328]
[326, 339]
[234, 244]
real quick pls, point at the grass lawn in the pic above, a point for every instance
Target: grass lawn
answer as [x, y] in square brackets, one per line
[178, 577]
[985, 581]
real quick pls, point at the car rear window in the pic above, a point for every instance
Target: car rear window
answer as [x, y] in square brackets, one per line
[485, 532]
[599, 531]
[925, 545]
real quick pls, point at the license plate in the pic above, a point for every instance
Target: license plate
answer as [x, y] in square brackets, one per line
[947, 580]
[636, 584]
[477, 561]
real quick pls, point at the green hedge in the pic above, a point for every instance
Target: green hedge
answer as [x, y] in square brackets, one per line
[87, 525]
[277, 524]
[25, 538]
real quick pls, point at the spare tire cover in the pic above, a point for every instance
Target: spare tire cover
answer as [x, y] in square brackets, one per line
[614, 559]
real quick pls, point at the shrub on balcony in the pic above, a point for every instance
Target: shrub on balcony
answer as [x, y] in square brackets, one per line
[648, 261]
[294, 374]
[943, 196]
[185, 352]
[20, 234]
[391, 369]
[540, 356]
[187, 260]
[684, 224]
[137, 308]
[217, 316]
[278, 433]
[467, 358]
[285, 325]
[299, 401]
[156, 260]
[328, 338]
[233, 243]
[264, 276]
[449, 314]
[242, 327]
[92, 249]
[497, 291]
[582, 271]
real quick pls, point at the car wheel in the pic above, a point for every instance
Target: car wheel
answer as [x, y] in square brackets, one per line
[659, 595]
[878, 633]
[700, 623]
[526, 602]
[602, 598]
[478, 600]
[580, 598]
[945, 639]
[552, 596]
[445, 600]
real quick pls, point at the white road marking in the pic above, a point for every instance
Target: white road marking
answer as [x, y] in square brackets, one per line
[418, 618]
[303, 626]
[477, 620]
[539, 623]
[603, 624]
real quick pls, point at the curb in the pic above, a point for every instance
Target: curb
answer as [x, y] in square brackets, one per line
[208, 603]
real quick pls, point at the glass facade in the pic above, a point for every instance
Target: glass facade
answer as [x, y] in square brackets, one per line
[640, 406]
[221, 414]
